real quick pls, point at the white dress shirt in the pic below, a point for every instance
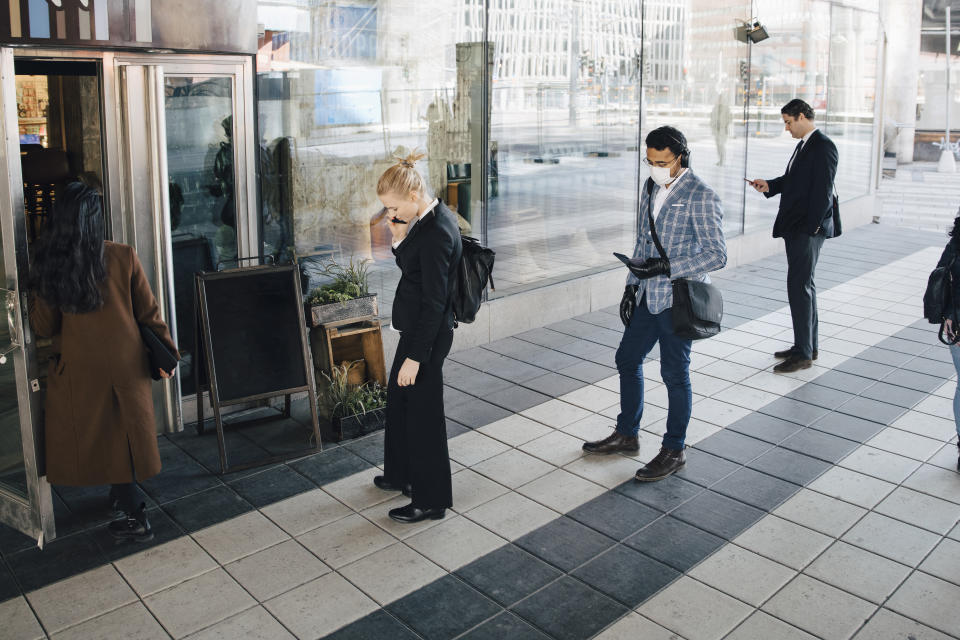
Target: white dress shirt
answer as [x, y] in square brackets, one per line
[664, 191]
[803, 143]
[410, 224]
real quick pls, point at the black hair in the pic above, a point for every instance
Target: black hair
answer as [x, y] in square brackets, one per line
[796, 107]
[68, 266]
[670, 138]
[954, 233]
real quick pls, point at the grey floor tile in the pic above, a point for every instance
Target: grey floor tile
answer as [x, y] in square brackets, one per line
[554, 384]
[794, 411]
[766, 428]
[756, 489]
[889, 625]
[920, 509]
[819, 445]
[477, 413]
[885, 356]
[733, 446]
[743, 574]
[695, 610]
[892, 538]
[916, 380]
[330, 466]
[848, 426]
[717, 514]
[820, 512]
[588, 372]
[844, 382]
[864, 574]
[819, 608]
[131, 621]
[549, 610]
[939, 370]
[930, 601]
[516, 398]
[505, 626]
[704, 468]
[762, 626]
[663, 495]
[614, 515]
[674, 543]
[790, 466]
[891, 394]
[627, 576]
[821, 396]
[443, 609]
[944, 561]
[508, 574]
[565, 543]
[865, 368]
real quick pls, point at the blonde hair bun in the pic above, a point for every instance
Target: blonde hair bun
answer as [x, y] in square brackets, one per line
[402, 177]
[410, 160]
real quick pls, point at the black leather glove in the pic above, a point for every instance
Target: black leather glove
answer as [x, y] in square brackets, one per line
[650, 267]
[628, 304]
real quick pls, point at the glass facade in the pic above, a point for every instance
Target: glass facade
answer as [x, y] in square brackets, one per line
[532, 114]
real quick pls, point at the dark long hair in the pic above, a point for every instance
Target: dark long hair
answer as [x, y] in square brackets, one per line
[954, 233]
[68, 266]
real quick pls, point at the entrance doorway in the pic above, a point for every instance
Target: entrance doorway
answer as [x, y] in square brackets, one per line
[167, 139]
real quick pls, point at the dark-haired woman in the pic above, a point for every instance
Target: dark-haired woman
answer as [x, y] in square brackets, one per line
[90, 295]
[951, 256]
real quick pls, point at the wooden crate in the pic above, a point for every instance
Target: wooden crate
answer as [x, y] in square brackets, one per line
[362, 341]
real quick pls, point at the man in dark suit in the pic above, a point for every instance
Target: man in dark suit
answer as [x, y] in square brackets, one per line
[804, 220]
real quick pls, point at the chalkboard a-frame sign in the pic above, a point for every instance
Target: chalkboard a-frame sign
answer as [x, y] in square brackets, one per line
[254, 344]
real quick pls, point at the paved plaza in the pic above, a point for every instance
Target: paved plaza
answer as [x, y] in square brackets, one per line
[822, 504]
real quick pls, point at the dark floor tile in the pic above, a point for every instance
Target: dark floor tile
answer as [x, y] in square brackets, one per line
[626, 575]
[164, 530]
[180, 476]
[546, 337]
[564, 543]
[883, 412]
[663, 495]
[764, 427]
[443, 609]
[865, 368]
[517, 370]
[554, 384]
[8, 586]
[549, 359]
[922, 336]
[844, 381]
[453, 397]
[378, 625]
[614, 515]
[476, 383]
[717, 514]
[477, 413]
[819, 445]
[583, 348]
[588, 372]
[885, 356]
[790, 466]
[205, 449]
[899, 344]
[271, 486]
[570, 610]
[12, 541]
[847, 426]
[821, 396]
[508, 574]
[59, 559]
[477, 357]
[206, 508]
[729, 444]
[370, 447]
[455, 428]
[756, 489]
[794, 411]
[675, 543]
[278, 436]
[916, 380]
[505, 626]
[704, 468]
[938, 353]
[516, 398]
[939, 370]
[514, 347]
[330, 466]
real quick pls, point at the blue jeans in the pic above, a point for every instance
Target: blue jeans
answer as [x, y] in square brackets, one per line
[955, 352]
[644, 331]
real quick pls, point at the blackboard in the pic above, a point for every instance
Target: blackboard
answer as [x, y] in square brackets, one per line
[255, 333]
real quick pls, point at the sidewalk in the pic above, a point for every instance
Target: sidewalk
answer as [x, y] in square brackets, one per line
[822, 504]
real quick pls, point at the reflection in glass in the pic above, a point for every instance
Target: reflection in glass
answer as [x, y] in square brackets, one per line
[13, 475]
[203, 218]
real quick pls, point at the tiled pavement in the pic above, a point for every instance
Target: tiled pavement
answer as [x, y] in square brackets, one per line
[822, 504]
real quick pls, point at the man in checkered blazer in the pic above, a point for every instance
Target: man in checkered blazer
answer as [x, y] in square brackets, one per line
[688, 220]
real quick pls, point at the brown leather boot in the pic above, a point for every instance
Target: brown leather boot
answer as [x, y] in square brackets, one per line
[613, 443]
[668, 461]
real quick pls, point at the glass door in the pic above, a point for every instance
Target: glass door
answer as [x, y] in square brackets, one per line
[25, 501]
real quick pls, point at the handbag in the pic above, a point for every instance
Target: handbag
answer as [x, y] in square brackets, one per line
[938, 303]
[837, 227]
[158, 353]
[697, 306]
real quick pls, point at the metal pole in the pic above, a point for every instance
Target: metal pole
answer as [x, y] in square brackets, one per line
[947, 163]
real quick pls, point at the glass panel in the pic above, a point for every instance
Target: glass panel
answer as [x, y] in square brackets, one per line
[13, 475]
[199, 122]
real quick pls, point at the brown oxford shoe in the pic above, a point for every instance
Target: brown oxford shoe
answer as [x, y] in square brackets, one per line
[786, 353]
[667, 462]
[613, 443]
[793, 363]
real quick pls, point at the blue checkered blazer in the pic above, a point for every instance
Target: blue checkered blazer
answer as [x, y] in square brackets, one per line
[690, 228]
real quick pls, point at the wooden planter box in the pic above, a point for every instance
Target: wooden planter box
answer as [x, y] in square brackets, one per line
[350, 427]
[336, 314]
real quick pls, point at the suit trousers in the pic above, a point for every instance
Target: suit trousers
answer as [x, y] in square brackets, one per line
[803, 251]
[415, 441]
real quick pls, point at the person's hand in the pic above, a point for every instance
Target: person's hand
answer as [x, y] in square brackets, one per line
[407, 375]
[650, 267]
[628, 303]
[948, 329]
[398, 229]
[164, 374]
[760, 185]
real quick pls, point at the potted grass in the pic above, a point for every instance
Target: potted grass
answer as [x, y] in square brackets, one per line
[345, 299]
[354, 409]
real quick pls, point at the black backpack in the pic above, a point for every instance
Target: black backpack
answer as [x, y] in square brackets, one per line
[938, 303]
[473, 273]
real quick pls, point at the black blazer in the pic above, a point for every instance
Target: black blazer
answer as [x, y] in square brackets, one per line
[428, 259]
[950, 253]
[806, 191]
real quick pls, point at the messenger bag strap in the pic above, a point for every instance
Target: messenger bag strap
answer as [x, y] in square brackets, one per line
[653, 226]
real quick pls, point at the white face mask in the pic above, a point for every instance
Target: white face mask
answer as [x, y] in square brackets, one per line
[661, 175]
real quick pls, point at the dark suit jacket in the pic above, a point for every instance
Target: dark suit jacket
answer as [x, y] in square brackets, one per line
[806, 191]
[428, 259]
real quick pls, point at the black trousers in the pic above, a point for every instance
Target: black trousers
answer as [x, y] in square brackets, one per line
[803, 251]
[415, 442]
[128, 496]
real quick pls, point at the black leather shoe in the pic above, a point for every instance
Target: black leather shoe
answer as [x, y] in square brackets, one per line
[668, 461]
[382, 483]
[793, 363]
[792, 351]
[612, 443]
[133, 527]
[410, 514]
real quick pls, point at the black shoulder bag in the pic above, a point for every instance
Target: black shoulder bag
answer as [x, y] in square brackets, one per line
[697, 306]
[938, 302]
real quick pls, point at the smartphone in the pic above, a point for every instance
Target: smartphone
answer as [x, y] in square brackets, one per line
[396, 220]
[748, 180]
[624, 259]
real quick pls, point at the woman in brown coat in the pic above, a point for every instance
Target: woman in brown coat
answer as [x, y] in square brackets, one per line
[90, 296]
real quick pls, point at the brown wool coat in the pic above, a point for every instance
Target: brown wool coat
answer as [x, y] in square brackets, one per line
[99, 406]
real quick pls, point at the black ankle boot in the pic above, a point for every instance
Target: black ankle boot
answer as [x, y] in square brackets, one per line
[133, 526]
[668, 461]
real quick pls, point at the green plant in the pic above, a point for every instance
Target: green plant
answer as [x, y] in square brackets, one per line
[348, 282]
[343, 399]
